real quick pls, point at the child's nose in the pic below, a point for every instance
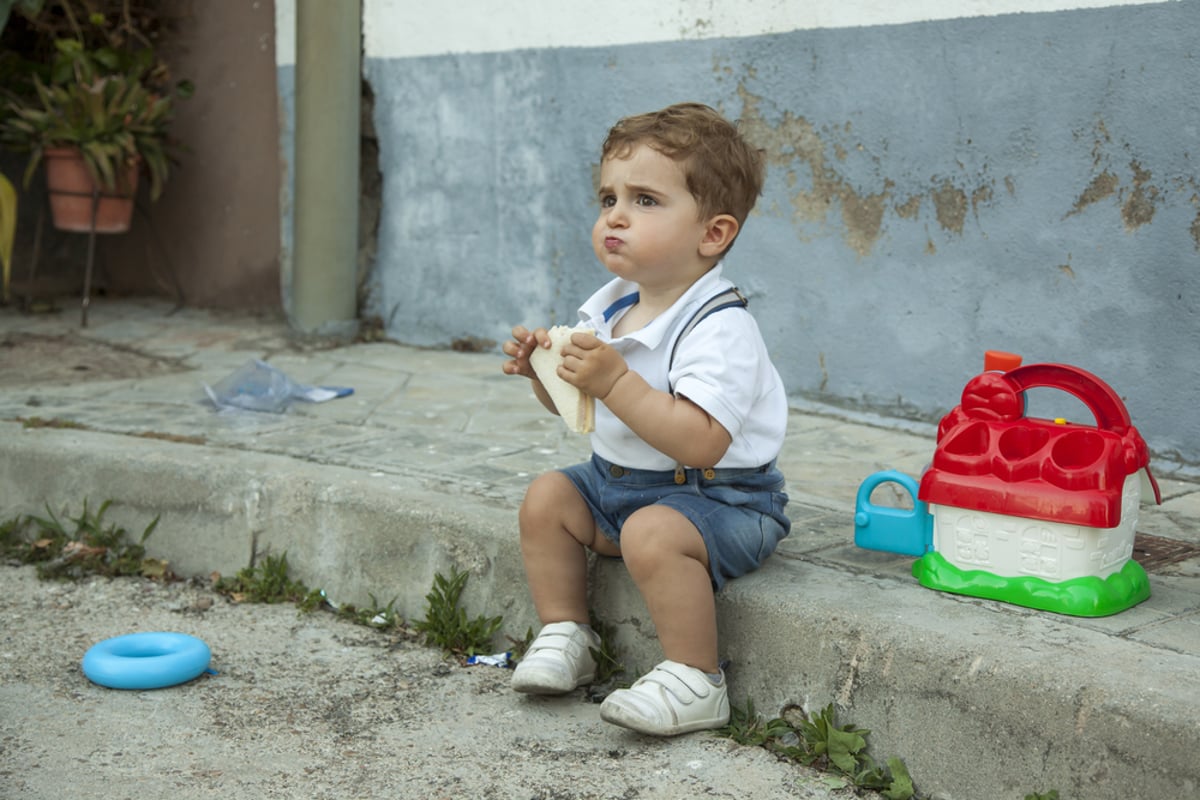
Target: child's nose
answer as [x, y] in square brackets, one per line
[616, 214]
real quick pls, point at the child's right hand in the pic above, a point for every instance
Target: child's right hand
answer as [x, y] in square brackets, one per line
[519, 347]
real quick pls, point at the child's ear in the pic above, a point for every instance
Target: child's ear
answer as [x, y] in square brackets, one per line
[719, 233]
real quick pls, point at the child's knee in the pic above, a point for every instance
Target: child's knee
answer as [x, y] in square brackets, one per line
[654, 533]
[550, 498]
[545, 489]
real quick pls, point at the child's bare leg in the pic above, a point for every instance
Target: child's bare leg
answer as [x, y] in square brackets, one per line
[556, 527]
[668, 561]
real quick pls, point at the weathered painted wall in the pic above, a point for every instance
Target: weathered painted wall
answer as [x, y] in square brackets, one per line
[941, 184]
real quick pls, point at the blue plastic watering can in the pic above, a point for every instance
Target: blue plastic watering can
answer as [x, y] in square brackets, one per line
[907, 531]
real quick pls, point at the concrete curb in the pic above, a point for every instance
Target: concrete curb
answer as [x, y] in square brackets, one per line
[980, 699]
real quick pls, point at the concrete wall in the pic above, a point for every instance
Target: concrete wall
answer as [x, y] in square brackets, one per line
[945, 178]
[216, 227]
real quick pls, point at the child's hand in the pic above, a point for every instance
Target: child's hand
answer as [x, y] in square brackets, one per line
[519, 348]
[591, 365]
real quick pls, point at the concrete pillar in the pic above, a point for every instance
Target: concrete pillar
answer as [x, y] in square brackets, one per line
[325, 238]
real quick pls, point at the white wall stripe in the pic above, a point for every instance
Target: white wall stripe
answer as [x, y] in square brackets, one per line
[406, 28]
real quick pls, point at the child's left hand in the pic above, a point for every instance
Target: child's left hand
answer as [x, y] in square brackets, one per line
[591, 365]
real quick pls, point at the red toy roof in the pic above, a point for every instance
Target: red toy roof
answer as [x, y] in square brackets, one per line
[990, 457]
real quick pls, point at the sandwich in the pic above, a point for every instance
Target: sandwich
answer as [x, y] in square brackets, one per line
[576, 408]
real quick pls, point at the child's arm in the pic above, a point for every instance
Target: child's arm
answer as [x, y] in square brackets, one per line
[518, 349]
[672, 425]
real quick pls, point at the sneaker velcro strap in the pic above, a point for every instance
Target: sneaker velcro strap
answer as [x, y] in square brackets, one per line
[685, 683]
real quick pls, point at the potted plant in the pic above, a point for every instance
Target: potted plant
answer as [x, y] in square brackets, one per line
[96, 113]
[94, 135]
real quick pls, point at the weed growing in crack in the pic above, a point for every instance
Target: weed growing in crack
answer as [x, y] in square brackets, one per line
[372, 616]
[86, 546]
[267, 582]
[609, 666]
[446, 624]
[746, 726]
[817, 740]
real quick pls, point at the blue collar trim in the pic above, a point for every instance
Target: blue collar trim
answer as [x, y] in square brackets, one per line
[623, 302]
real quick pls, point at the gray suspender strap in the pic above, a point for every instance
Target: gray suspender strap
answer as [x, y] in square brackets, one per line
[730, 298]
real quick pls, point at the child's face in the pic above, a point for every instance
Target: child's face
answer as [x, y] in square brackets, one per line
[649, 228]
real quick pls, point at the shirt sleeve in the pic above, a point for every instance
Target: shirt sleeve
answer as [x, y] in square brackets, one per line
[719, 367]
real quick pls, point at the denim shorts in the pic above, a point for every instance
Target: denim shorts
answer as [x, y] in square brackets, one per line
[739, 512]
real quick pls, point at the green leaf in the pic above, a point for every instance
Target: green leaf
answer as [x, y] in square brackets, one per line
[901, 787]
[843, 748]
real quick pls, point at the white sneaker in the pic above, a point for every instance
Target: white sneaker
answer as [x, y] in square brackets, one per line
[558, 660]
[672, 698]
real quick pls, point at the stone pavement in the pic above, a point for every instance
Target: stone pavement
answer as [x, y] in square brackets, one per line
[421, 470]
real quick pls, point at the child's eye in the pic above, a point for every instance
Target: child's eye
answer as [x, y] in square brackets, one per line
[608, 201]
[646, 200]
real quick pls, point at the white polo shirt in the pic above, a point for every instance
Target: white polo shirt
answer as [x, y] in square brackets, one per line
[722, 366]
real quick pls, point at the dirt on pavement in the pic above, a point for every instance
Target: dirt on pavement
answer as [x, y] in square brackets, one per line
[314, 706]
[32, 359]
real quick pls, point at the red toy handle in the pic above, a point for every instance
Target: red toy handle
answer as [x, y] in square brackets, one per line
[1097, 395]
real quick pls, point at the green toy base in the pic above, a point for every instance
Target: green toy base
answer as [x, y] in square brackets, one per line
[1080, 597]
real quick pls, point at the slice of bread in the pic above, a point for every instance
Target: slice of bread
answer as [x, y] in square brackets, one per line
[577, 409]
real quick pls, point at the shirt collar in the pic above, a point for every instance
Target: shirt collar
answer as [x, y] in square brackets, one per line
[617, 293]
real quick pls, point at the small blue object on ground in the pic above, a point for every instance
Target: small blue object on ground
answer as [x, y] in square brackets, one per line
[146, 660]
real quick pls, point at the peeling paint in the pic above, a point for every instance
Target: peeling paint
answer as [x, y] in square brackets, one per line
[1138, 209]
[795, 139]
[910, 208]
[950, 206]
[981, 196]
[1103, 185]
[863, 217]
[1195, 231]
[1138, 203]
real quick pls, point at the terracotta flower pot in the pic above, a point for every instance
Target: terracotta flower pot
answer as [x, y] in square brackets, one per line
[71, 195]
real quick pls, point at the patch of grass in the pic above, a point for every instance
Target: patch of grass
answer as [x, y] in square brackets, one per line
[172, 437]
[746, 726]
[267, 582]
[817, 740]
[270, 582]
[54, 422]
[446, 624]
[86, 545]
[373, 616]
[610, 669]
[79, 546]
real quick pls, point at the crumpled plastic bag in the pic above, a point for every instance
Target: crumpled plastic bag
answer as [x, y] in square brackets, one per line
[257, 386]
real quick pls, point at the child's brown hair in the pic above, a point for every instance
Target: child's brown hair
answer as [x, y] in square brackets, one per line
[724, 172]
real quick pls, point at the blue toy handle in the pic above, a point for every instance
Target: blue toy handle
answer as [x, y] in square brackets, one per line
[907, 531]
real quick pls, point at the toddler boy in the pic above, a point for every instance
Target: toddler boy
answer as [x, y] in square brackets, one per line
[691, 414]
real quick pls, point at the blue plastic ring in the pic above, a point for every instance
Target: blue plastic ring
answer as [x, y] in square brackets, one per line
[146, 660]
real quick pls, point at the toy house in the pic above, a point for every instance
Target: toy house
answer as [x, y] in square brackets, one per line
[1039, 513]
